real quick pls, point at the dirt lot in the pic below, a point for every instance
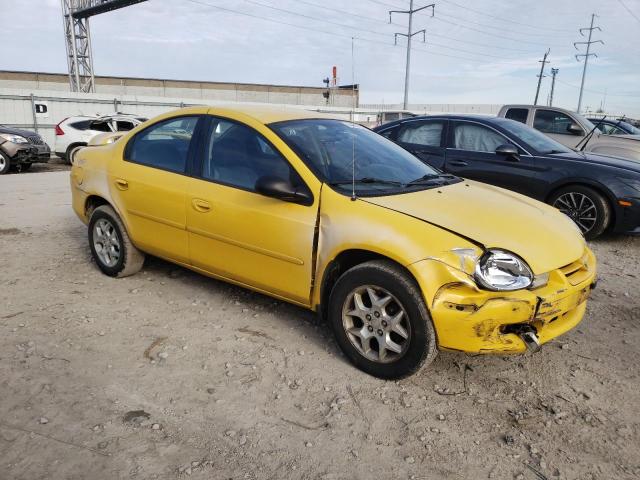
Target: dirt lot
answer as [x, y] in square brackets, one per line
[237, 385]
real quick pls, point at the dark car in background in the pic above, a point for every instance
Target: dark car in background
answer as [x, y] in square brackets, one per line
[610, 126]
[21, 148]
[597, 192]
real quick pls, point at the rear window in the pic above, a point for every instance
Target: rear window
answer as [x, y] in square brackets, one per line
[81, 125]
[517, 114]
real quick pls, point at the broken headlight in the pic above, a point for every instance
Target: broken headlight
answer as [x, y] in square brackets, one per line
[502, 271]
[13, 138]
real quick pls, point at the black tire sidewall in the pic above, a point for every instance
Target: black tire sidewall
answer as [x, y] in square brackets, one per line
[119, 266]
[422, 333]
[602, 207]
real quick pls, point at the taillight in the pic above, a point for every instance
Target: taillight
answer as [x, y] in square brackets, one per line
[59, 130]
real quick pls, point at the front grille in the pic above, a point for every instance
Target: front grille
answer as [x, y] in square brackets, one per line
[35, 140]
[576, 272]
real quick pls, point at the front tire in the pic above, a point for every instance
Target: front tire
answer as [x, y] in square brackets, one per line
[588, 209]
[5, 164]
[110, 245]
[380, 321]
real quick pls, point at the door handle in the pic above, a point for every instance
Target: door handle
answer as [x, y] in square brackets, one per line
[122, 184]
[458, 163]
[200, 205]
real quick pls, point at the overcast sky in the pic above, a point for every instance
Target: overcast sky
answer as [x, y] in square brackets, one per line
[481, 51]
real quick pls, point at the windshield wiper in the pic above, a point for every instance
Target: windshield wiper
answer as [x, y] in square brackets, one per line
[368, 180]
[588, 136]
[429, 177]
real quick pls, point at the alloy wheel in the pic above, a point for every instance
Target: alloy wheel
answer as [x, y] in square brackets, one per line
[579, 208]
[106, 242]
[376, 324]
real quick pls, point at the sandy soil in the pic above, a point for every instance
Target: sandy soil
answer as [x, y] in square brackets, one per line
[232, 384]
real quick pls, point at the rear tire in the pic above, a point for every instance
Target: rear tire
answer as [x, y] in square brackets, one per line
[110, 245]
[586, 207]
[380, 320]
[5, 164]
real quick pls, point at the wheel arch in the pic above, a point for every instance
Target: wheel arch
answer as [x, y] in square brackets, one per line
[599, 188]
[92, 202]
[344, 261]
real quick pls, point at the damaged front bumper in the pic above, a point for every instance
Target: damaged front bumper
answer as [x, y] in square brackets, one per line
[20, 153]
[469, 319]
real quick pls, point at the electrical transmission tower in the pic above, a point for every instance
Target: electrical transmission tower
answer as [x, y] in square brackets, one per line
[410, 33]
[586, 55]
[544, 61]
[554, 72]
[75, 16]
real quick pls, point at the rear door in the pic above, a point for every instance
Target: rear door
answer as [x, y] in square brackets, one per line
[425, 139]
[471, 153]
[149, 185]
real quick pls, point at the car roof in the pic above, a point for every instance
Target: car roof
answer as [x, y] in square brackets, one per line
[268, 114]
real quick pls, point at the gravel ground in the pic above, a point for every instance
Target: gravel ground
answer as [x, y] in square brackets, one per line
[168, 374]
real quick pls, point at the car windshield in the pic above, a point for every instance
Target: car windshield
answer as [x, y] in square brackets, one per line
[536, 139]
[331, 147]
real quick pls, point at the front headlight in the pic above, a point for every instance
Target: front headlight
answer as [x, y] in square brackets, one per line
[502, 271]
[13, 138]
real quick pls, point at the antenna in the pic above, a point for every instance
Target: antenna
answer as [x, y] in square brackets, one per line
[353, 135]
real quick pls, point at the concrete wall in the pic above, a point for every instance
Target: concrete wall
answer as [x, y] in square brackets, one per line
[188, 91]
[16, 106]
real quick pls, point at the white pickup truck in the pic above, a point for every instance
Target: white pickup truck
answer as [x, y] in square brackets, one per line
[571, 129]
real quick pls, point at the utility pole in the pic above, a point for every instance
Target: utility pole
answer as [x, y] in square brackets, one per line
[554, 72]
[586, 55]
[544, 61]
[410, 33]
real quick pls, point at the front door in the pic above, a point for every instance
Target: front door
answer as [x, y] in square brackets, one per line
[472, 154]
[425, 139]
[149, 184]
[238, 234]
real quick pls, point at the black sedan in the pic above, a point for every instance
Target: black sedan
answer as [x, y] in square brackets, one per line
[598, 192]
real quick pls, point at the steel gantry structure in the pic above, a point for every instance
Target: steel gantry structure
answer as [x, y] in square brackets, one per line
[75, 16]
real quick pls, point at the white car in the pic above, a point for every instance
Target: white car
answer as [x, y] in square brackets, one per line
[74, 132]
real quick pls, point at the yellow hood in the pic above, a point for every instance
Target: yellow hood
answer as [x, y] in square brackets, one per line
[496, 218]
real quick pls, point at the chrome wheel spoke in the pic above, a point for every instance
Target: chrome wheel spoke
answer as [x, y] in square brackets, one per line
[106, 242]
[376, 324]
[579, 208]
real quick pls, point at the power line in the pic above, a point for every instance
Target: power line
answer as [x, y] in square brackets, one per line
[431, 34]
[495, 34]
[629, 10]
[373, 32]
[509, 20]
[535, 27]
[334, 34]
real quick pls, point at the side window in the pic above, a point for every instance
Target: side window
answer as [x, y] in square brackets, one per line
[164, 145]
[237, 155]
[427, 133]
[476, 138]
[124, 125]
[517, 114]
[548, 121]
[389, 133]
[100, 126]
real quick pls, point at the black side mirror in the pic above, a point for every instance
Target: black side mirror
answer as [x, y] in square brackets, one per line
[276, 187]
[509, 151]
[575, 129]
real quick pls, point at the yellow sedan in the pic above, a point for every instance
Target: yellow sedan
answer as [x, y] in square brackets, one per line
[401, 259]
